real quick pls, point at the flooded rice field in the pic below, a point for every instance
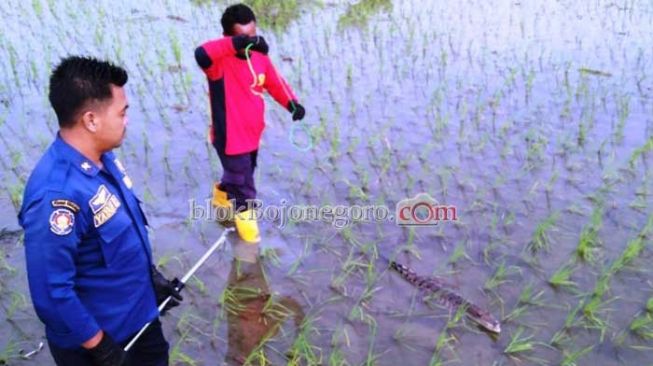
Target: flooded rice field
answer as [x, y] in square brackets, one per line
[533, 119]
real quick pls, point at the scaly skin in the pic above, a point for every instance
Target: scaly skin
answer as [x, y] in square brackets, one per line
[447, 297]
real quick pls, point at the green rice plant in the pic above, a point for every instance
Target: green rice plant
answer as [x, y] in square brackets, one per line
[518, 346]
[633, 250]
[200, 285]
[177, 355]
[458, 254]
[527, 298]
[540, 240]
[642, 326]
[592, 311]
[165, 259]
[623, 110]
[18, 302]
[562, 277]
[9, 353]
[359, 13]
[589, 241]
[176, 47]
[275, 15]
[230, 301]
[500, 276]
[637, 153]
[337, 358]
[571, 320]
[16, 194]
[360, 313]
[445, 339]
[571, 359]
[38, 8]
[372, 357]
[270, 255]
[4, 264]
[302, 351]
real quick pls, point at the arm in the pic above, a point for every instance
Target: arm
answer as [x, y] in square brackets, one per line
[50, 252]
[211, 52]
[277, 86]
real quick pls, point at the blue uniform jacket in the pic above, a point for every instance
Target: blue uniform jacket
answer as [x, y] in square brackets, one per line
[86, 246]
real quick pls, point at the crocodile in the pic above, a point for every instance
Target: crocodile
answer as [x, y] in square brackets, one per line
[446, 297]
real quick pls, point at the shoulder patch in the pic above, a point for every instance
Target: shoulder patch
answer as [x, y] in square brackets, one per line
[72, 206]
[62, 221]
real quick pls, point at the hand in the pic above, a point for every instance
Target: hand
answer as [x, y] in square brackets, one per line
[164, 288]
[258, 43]
[296, 109]
[108, 353]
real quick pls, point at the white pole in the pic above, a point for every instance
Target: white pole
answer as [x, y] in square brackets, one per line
[183, 280]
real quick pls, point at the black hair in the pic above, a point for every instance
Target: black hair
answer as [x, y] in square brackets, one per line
[237, 13]
[77, 81]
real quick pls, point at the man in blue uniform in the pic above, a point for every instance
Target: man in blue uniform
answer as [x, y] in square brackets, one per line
[89, 262]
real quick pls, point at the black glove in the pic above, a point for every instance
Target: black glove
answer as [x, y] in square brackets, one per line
[164, 288]
[258, 43]
[298, 111]
[108, 353]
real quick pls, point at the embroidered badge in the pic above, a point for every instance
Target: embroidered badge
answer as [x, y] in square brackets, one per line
[100, 199]
[62, 221]
[104, 205]
[261, 79]
[72, 206]
[86, 166]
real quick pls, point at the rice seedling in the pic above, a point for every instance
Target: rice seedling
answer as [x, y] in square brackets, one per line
[519, 345]
[177, 355]
[337, 358]
[527, 299]
[302, 351]
[269, 255]
[18, 302]
[562, 277]
[9, 352]
[445, 339]
[500, 276]
[562, 337]
[571, 359]
[458, 254]
[589, 241]
[642, 326]
[540, 240]
[593, 312]
[640, 152]
[359, 13]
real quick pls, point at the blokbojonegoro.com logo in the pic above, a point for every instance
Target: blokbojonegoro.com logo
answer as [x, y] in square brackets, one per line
[423, 210]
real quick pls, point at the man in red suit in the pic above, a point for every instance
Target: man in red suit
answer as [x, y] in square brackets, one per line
[237, 78]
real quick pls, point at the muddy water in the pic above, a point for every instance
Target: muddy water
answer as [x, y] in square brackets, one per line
[513, 112]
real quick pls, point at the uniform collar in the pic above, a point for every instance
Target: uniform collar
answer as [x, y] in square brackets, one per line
[69, 153]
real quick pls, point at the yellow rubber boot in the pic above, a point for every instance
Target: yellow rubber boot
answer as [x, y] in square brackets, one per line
[221, 202]
[247, 226]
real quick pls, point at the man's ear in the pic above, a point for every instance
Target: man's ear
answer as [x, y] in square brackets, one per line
[89, 121]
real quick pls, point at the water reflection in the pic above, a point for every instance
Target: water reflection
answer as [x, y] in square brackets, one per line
[254, 313]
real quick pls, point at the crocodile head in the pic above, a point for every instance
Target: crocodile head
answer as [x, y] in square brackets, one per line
[484, 319]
